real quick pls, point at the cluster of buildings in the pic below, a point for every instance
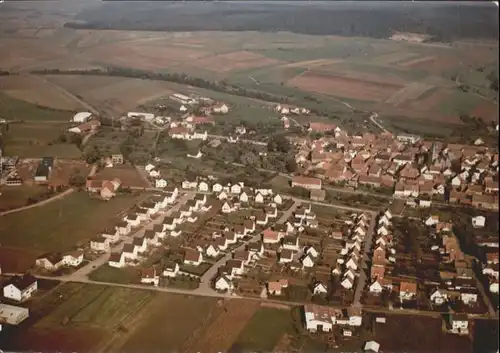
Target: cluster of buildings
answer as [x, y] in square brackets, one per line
[86, 123]
[155, 174]
[411, 168]
[349, 265]
[54, 261]
[17, 289]
[319, 318]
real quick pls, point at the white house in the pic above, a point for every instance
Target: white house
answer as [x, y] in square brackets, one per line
[307, 261]
[149, 276]
[160, 183]
[149, 167]
[223, 283]
[81, 117]
[318, 318]
[319, 288]
[193, 257]
[259, 198]
[347, 283]
[116, 260]
[432, 221]
[73, 259]
[217, 188]
[278, 199]
[235, 189]
[372, 347]
[154, 173]
[212, 250]
[243, 197]
[203, 186]
[171, 269]
[478, 222]
[20, 288]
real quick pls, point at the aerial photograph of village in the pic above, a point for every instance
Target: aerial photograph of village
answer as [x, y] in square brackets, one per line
[249, 176]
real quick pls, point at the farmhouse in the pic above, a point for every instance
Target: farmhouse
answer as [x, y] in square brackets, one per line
[81, 117]
[306, 182]
[20, 288]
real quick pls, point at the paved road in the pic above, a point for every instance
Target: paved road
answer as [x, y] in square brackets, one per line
[205, 285]
[252, 142]
[38, 204]
[363, 266]
[82, 273]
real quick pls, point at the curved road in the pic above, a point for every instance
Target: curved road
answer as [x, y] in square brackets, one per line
[38, 204]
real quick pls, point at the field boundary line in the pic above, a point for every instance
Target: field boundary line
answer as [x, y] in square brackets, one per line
[38, 204]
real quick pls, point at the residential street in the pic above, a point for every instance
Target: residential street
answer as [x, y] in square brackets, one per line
[205, 285]
[82, 273]
[363, 266]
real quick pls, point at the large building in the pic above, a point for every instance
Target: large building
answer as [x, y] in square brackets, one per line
[306, 183]
[81, 117]
[12, 315]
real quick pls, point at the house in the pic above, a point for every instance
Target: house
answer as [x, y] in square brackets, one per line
[228, 207]
[149, 276]
[286, 256]
[439, 296]
[347, 282]
[468, 297]
[160, 183]
[312, 252]
[220, 109]
[20, 288]
[216, 188]
[291, 243]
[256, 248]
[73, 259]
[12, 315]
[50, 261]
[212, 250]
[307, 261]
[222, 195]
[116, 260]
[371, 347]
[407, 290]
[275, 287]
[478, 222]
[100, 244]
[306, 182]
[243, 197]
[319, 288]
[318, 318]
[379, 284]
[259, 198]
[432, 220]
[459, 323]
[235, 268]
[189, 184]
[203, 186]
[243, 256]
[278, 199]
[193, 257]
[262, 219]
[223, 283]
[171, 269]
[81, 117]
[235, 189]
[271, 237]
[355, 316]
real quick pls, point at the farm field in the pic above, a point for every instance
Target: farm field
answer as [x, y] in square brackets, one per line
[35, 139]
[34, 90]
[128, 175]
[17, 196]
[62, 224]
[224, 327]
[64, 169]
[16, 260]
[16, 109]
[264, 330]
[167, 323]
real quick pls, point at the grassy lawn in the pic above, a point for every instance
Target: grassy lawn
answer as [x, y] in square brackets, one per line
[170, 321]
[459, 103]
[17, 196]
[106, 273]
[35, 139]
[98, 306]
[264, 330]
[14, 109]
[62, 224]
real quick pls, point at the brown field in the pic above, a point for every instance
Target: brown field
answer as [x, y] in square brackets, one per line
[431, 102]
[410, 92]
[344, 87]
[168, 322]
[17, 196]
[436, 65]
[114, 95]
[16, 260]
[128, 175]
[63, 170]
[488, 111]
[145, 56]
[19, 52]
[34, 90]
[224, 330]
[57, 340]
[238, 60]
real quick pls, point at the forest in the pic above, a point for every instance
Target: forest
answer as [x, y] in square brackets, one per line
[443, 21]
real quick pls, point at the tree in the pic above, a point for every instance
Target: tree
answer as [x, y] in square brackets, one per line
[291, 165]
[77, 180]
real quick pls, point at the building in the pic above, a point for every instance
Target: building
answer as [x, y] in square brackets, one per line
[20, 288]
[306, 182]
[81, 117]
[44, 168]
[407, 138]
[117, 158]
[12, 315]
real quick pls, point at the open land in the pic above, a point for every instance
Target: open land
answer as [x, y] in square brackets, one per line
[62, 224]
[128, 175]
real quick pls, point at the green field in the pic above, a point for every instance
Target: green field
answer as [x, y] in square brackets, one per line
[264, 330]
[17, 196]
[97, 306]
[459, 103]
[39, 139]
[62, 224]
[106, 273]
[15, 109]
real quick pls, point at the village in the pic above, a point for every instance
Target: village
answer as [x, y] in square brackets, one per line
[207, 237]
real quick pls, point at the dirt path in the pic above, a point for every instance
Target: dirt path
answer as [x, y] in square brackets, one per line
[41, 203]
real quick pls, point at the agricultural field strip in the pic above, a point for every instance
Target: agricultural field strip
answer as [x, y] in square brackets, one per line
[410, 92]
